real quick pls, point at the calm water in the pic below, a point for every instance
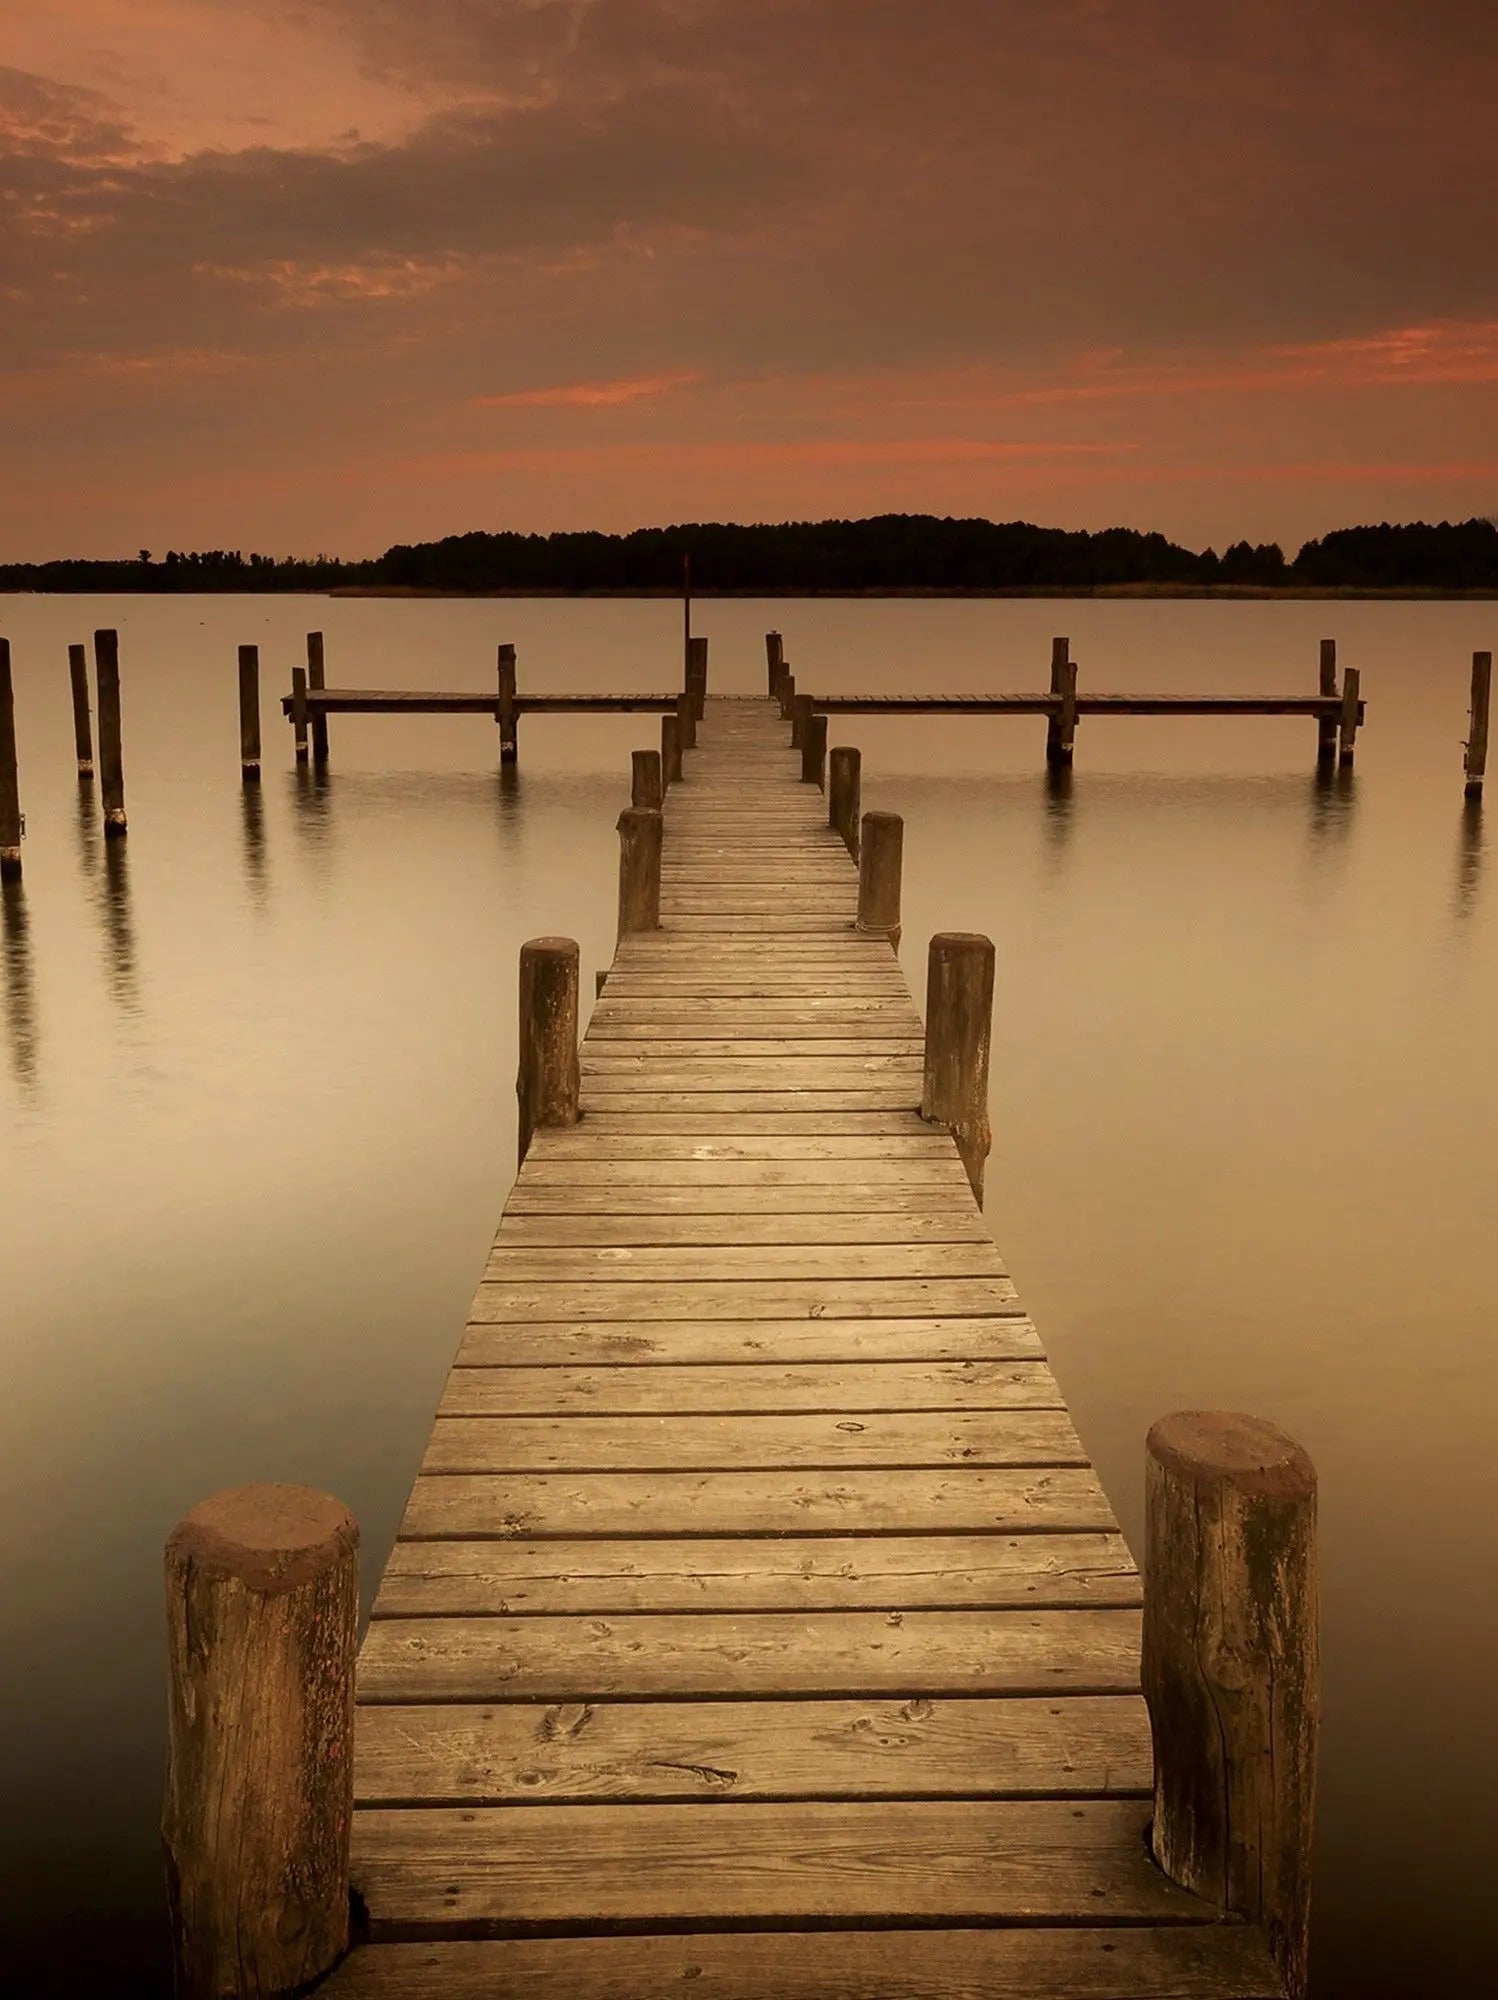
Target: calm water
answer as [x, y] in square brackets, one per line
[256, 1099]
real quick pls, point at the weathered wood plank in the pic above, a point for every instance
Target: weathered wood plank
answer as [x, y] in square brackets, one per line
[940, 1226]
[651, 1342]
[745, 1298]
[810, 1198]
[936, 1166]
[769, 1388]
[533, 1264]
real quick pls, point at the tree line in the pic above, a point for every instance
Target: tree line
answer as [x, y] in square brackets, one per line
[886, 552]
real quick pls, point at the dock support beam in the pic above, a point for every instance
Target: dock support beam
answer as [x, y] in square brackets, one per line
[787, 695]
[249, 715]
[686, 720]
[1231, 1668]
[316, 681]
[959, 1030]
[645, 779]
[844, 784]
[670, 751]
[10, 781]
[800, 716]
[880, 859]
[640, 832]
[83, 736]
[262, 1604]
[1326, 726]
[547, 1084]
[299, 712]
[814, 751]
[509, 741]
[1061, 725]
[1347, 735]
[1475, 762]
[774, 659]
[111, 752]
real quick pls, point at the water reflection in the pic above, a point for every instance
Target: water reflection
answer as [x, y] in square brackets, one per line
[312, 788]
[1059, 822]
[1469, 858]
[20, 987]
[252, 835]
[117, 910]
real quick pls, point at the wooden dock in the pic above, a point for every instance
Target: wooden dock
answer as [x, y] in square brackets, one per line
[757, 1627]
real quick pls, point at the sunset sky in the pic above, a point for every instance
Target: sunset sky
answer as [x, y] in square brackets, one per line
[306, 275]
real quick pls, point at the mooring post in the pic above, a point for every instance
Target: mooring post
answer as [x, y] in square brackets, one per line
[686, 720]
[640, 831]
[316, 683]
[774, 659]
[262, 1609]
[697, 674]
[880, 850]
[801, 709]
[787, 695]
[1061, 724]
[645, 779]
[546, 1086]
[249, 715]
[814, 751]
[1326, 725]
[1475, 762]
[111, 753]
[83, 736]
[670, 751]
[10, 777]
[844, 783]
[1347, 734]
[1231, 1668]
[299, 712]
[509, 737]
[959, 1029]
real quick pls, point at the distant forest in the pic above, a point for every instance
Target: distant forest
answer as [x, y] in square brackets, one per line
[891, 552]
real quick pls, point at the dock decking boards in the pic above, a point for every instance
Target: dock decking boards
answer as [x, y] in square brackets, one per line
[757, 1626]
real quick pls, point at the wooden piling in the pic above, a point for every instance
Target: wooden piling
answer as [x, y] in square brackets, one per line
[10, 780]
[1347, 734]
[546, 1086]
[787, 694]
[1326, 725]
[959, 1028]
[670, 751]
[686, 721]
[645, 779]
[1061, 724]
[774, 659]
[509, 735]
[800, 716]
[697, 674]
[316, 682]
[640, 832]
[1231, 1668]
[249, 715]
[844, 784]
[1475, 761]
[262, 1602]
[686, 610]
[880, 850]
[299, 712]
[83, 737]
[814, 751]
[111, 753]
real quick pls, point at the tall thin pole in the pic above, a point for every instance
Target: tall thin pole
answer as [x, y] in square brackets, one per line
[686, 611]
[10, 789]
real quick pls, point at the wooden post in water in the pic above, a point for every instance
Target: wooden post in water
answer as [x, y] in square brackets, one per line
[959, 1028]
[111, 753]
[670, 751]
[787, 695]
[1231, 1668]
[774, 659]
[316, 682]
[645, 779]
[800, 716]
[1326, 725]
[1347, 735]
[299, 712]
[10, 779]
[814, 751]
[640, 831]
[697, 674]
[509, 735]
[686, 613]
[83, 736]
[844, 783]
[547, 1084]
[880, 853]
[262, 1606]
[1475, 762]
[1058, 739]
[249, 715]
[686, 720]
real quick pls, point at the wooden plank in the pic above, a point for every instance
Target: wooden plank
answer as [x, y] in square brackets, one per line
[1000, 1501]
[609, 1442]
[813, 1197]
[619, 1141]
[1187, 1962]
[768, 1125]
[936, 1167]
[786, 1573]
[1009, 1861]
[804, 1298]
[940, 1226]
[879, 1045]
[769, 1388]
[655, 1263]
[654, 1103]
[646, 1343]
[997, 1747]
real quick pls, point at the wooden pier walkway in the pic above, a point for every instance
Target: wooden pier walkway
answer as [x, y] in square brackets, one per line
[757, 1627]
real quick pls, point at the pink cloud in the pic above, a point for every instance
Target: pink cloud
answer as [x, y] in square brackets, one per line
[591, 395]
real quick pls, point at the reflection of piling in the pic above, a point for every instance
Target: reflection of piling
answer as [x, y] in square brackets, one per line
[249, 715]
[20, 995]
[10, 781]
[316, 682]
[1476, 760]
[83, 735]
[111, 754]
[1326, 725]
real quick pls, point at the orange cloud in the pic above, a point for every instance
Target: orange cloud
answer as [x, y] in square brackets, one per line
[590, 395]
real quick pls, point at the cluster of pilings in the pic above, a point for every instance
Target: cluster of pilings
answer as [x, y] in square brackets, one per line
[111, 761]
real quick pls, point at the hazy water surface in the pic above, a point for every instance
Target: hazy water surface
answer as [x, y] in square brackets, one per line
[257, 1123]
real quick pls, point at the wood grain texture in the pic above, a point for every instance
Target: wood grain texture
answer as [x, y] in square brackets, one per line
[646, 1342]
[764, 1386]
